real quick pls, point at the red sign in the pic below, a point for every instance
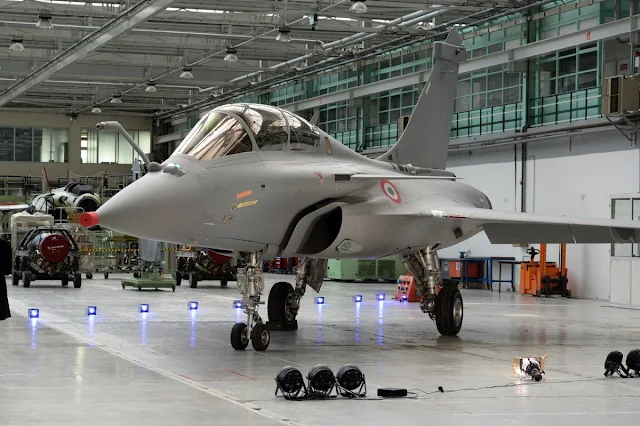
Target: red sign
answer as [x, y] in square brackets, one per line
[624, 67]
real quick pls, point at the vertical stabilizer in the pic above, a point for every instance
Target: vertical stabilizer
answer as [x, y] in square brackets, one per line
[425, 139]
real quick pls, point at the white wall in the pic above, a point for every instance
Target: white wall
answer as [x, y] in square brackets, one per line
[75, 165]
[564, 177]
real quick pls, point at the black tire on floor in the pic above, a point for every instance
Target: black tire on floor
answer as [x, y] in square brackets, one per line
[26, 279]
[223, 283]
[89, 276]
[106, 275]
[260, 337]
[239, 339]
[449, 311]
[77, 280]
[277, 305]
[178, 278]
[15, 279]
[193, 280]
[137, 275]
[65, 281]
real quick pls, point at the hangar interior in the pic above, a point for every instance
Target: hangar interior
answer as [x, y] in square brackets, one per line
[545, 121]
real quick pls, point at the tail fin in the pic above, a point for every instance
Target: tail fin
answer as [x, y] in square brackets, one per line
[425, 140]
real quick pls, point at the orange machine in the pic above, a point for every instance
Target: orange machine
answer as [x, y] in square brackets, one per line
[408, 289]
[544, 278]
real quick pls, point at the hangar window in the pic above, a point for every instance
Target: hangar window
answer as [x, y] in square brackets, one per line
[34, 144]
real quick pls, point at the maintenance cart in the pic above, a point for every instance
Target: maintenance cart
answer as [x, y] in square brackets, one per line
[204, 264]
[47, 253]
[151, 270]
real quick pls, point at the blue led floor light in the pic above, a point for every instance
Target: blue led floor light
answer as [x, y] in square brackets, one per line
[92, 310]
[380, 296]
[320, 300]
[34, 313]
[193, 306]
[357, 298]
[144, 308]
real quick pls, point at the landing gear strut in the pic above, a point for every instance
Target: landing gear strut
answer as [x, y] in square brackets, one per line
[441, 298]
[251, 286]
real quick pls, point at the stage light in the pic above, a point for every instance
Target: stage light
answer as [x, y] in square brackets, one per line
[351, 382]
[144, 308]
[357, 298]
[529, 366]
[320, 300]
[321, 381]
[633, 362]
[92, 310]
[237, 303]
[380, 296]
[193, 306]
[34, 313]
[291, 383]
[613, 364]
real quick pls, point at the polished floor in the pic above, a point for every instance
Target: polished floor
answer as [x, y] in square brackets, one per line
[176, 367]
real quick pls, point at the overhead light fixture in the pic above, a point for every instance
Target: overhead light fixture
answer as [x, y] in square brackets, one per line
[186, 72]
[358, 6]
[44, 21]
[151, 87]
[291, 383]
[284, 34]
[96, 110]
[16, 43]
[231, 54]
[115, 99]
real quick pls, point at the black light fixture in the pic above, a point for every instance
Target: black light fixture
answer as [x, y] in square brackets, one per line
[290, 382]
[613, 364]
[633, 362]
[321, 381]
[351, 382]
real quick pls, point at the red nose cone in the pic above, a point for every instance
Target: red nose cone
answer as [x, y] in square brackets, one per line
[89, 219]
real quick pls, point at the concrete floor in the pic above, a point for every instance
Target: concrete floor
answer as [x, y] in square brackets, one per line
[176, 367]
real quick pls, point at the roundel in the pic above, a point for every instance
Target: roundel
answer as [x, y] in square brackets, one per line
[54, 248]
[390, 191]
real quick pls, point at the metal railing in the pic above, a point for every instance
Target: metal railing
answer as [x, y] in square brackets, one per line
[578, 105]
[487, 120]
[14, 185]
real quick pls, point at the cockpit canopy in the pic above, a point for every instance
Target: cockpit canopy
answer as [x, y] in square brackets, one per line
[238, 128]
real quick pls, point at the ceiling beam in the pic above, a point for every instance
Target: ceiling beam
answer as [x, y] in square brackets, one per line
[115, 27]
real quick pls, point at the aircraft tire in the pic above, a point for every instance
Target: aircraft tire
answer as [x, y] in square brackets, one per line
[178, 278]
[277, 306]
[77, 280]
[223, 283]
[193, 280]
[65, 281]
[449, 311]
[15, 279]
[239, 340]
[260, 337]
[26, 279]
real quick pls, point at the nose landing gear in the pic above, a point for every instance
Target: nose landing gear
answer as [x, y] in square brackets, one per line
[251, 286]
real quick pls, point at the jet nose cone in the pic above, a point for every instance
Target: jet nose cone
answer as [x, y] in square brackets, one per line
[150, 208]
[89, 219]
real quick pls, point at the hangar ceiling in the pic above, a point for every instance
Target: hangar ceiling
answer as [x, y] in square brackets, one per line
[83, 54]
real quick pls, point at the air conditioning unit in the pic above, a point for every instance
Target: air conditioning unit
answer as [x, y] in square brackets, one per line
[621, 94]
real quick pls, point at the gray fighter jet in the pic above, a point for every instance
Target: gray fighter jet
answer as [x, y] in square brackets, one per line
[264, 182]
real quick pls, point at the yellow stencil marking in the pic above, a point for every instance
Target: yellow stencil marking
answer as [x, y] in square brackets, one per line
[247, 204]
[244, 194]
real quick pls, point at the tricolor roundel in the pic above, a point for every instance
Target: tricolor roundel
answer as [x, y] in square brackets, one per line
[390, 191]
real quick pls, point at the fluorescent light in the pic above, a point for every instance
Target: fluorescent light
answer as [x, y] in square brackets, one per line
[115, 99]
[358, 6]
[151, 87]
[97, 110]
[186, 72]
[16, 43]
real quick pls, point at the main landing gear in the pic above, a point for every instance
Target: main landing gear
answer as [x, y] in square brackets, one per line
[283, 306]
[441, 298]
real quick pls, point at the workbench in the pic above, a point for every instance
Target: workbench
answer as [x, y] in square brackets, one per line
[487, 270]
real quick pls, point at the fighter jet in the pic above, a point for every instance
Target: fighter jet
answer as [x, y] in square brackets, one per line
[264, 182]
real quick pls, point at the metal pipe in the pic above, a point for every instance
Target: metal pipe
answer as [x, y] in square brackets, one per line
[115, 126]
